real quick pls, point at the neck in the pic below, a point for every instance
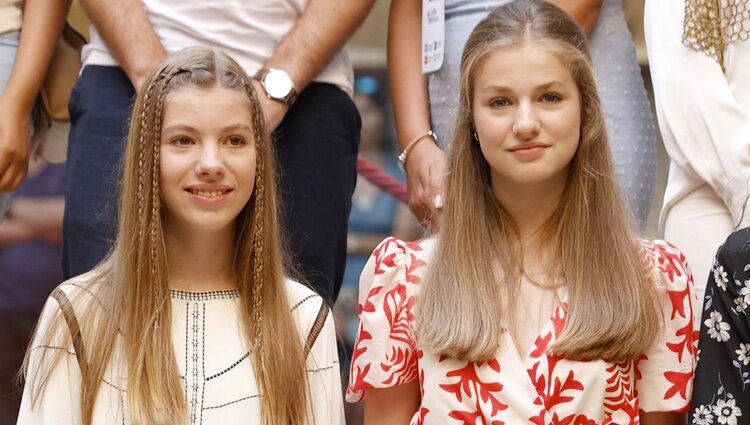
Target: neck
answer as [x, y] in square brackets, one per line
[201, 261]
[529, 205]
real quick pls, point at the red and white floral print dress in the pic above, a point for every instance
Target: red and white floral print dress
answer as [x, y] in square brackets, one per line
[540, 389]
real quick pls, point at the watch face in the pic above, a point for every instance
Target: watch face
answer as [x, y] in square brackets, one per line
[277, 84]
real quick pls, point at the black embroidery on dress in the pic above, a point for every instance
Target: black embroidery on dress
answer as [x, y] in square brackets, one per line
[246, 355]
[302, 301]
[232, 402]
[204, 296]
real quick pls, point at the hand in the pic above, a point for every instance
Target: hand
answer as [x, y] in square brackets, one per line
[15, 142]
[425, 170]
[273, 110]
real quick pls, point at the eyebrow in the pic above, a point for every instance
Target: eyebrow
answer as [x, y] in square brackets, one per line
[541, 87]
[185, 127]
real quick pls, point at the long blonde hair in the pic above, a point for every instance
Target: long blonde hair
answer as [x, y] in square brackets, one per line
[465, 301]
[129, 289]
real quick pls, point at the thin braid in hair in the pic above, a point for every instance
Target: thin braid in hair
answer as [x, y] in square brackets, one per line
[156, 290]
[141, 149]
[155, 203]
[258, 213]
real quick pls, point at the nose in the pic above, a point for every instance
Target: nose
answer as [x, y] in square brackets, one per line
[210, 163]
[527, 124]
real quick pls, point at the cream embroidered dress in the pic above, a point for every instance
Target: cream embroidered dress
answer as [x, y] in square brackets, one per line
[511, 389]
[213, 361]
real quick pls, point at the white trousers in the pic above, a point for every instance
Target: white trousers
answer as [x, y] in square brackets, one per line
[698, 224]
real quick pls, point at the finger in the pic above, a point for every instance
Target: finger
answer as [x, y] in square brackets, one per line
[8, 182]
[20, 177]
[5, 164]
[12, 178]
[427, 212]
[421, 212]
[432, 222]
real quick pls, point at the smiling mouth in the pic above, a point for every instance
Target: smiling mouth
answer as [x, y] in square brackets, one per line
[536, 146]
[209, 193]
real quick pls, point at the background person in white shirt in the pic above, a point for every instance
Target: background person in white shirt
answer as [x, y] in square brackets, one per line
[699, 67]
[316, 137]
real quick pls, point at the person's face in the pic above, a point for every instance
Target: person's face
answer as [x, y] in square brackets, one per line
[207, 157]
[527, 113]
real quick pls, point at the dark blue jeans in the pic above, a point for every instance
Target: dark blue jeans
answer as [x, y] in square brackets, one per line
[316, 147]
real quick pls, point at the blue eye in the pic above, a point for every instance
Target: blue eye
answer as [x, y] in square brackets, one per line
[551, 98]
[499, 103]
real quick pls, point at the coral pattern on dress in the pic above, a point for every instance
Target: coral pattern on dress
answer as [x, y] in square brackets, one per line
[539, 388]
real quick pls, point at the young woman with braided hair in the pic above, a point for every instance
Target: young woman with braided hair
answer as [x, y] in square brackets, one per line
[190, 319]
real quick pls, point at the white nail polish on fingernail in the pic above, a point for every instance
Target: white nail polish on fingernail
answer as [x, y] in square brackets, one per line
[437, 201]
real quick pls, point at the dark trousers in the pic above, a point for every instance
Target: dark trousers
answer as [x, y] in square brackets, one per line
[316, 146]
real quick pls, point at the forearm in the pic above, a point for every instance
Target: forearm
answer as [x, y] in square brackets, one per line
[128, 34]
[43, 21]
[408, 84]
[585, 12]
[318, 35]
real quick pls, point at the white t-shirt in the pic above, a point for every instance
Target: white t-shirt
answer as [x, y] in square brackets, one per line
[10, 15]
[248, 31]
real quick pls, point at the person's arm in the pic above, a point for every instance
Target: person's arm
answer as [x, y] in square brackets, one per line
[128, 34]
[585, 12]
[662, 418]
[704, 128]
[396, 405]
[426, 162]
[321, 31]
[42, 24]
[33, 219]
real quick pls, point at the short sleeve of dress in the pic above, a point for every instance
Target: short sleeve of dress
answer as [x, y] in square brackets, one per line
[722, 377]
[664, 374]
[385, 354]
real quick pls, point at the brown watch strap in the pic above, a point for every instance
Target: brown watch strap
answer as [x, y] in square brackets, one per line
[289, 99]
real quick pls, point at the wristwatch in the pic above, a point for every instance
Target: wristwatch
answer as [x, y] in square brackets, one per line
[277, 84]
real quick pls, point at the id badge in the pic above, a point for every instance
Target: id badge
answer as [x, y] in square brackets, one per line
[433, 35]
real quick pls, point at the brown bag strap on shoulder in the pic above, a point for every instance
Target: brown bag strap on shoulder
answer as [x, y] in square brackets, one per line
[75, 331]
[316, 327]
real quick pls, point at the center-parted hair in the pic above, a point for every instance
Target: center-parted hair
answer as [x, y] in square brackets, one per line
[466, 301]
[130, 287]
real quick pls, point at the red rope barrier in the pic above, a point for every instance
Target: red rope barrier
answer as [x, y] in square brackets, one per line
[384, 181]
